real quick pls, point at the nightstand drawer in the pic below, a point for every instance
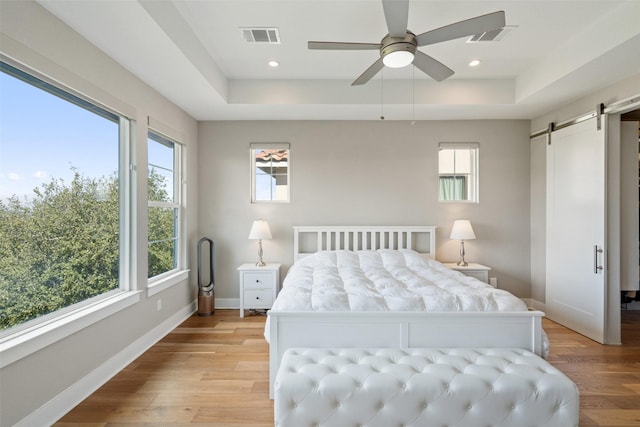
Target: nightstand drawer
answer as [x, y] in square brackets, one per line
[258, 281]
[258, 299]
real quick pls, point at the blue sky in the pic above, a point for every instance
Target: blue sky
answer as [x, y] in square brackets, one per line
[43, 137]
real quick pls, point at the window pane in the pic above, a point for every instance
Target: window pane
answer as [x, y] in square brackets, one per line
[453, 188]
[162, 240]
[446, 161]
[59, 201]
[161, 168]
[265, 187]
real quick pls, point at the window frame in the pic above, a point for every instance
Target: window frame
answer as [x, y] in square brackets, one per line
[269, 146]
[33, 335]
[473, 186]
[179, 273]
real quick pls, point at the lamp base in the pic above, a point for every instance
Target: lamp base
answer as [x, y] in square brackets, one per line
[462, 262]
[260, 263]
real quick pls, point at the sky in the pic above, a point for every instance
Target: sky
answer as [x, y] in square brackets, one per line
[43, 137]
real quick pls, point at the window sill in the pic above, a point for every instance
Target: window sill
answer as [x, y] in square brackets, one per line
[165, 281]
[29, 341]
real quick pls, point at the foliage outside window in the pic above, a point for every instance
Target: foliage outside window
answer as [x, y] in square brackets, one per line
[164, 204]
[458, 172]
[60, 200]
[270, 179]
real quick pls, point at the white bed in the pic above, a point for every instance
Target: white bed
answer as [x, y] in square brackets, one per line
[429, 318]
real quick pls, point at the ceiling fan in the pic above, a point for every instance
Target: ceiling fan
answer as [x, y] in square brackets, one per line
[399, 47]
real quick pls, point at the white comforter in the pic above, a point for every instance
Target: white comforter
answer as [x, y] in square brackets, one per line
[385, 280]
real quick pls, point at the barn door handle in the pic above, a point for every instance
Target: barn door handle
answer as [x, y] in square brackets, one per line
[596, 267]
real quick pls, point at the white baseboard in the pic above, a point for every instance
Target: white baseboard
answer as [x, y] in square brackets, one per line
[537, 305]
[57, 407]
[228, 303]
[534, 304]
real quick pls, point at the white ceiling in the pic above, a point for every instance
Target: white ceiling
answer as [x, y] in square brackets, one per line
[192, 51]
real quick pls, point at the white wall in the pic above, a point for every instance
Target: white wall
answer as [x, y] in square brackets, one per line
[373, 172]
[44, 382]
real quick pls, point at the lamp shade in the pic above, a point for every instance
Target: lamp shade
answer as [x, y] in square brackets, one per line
[260, 230]
[462, 230]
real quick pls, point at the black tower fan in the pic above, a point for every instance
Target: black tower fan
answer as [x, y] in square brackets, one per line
[206, 295]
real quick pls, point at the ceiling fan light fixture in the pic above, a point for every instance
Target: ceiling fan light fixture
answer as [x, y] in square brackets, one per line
[398, 59]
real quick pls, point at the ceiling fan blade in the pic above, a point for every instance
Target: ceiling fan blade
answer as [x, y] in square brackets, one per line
[369, 73]
[396, 13]
[478, 25]
[431, 67]
[343, 46]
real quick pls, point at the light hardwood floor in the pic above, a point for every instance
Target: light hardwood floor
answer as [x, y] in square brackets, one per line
[214, 371]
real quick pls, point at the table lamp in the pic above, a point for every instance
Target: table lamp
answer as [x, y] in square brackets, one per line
[260, 231]
[462, 231]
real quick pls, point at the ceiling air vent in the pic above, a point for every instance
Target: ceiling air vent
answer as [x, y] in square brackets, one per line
[491, 36]
[261, 35]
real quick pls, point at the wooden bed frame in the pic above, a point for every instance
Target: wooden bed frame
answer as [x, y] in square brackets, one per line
[287, 329]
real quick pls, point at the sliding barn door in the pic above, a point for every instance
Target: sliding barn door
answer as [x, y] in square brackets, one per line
[576, 224]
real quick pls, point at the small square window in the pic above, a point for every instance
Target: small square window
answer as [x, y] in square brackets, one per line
[270, 173]
[458, 172]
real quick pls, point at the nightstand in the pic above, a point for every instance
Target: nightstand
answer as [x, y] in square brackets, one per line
[258, 286]
[479, 271]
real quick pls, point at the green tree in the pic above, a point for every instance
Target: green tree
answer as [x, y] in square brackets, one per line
[59, 248]
[162, 226]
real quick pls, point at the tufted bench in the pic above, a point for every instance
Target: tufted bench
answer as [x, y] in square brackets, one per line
[421, 387]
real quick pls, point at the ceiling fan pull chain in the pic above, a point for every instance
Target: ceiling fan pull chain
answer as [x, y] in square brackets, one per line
[382, 94]
[413, 96]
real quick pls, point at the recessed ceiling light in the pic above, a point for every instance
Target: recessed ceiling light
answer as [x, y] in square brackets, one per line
[273, 63]
[474, 63]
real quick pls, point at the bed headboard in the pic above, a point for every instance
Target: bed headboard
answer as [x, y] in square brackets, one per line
[310, 239]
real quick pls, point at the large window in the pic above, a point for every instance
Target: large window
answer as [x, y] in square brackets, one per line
[61, 200]
[270, 172]
[458, 172]
[164, 189]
